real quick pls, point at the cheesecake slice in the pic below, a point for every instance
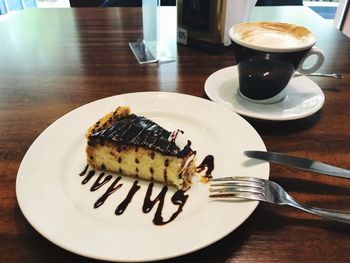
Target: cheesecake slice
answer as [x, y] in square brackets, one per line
[136, 146]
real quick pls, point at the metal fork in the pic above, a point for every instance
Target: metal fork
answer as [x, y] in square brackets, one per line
[254, 188]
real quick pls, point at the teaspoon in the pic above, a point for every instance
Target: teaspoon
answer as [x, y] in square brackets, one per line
[330, 75]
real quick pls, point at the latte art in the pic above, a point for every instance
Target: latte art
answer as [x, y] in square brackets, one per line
[272, 35]
[259, 38]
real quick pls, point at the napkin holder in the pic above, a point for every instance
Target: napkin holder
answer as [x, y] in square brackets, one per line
[204, 24]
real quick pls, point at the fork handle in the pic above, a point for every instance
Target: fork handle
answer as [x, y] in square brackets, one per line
[336, 215]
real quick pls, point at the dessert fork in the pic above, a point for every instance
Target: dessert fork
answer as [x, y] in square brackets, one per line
[254, 188]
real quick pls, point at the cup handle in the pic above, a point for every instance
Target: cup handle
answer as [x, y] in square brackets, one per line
[320, 58]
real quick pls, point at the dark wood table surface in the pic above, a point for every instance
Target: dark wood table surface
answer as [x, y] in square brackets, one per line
[55, 60]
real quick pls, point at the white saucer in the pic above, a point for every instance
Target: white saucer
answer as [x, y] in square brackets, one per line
[304, 97]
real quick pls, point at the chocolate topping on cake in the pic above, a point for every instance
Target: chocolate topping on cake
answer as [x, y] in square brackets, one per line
[140, 131]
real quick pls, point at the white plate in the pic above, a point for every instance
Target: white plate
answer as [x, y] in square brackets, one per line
[304, 97]
[52, 198]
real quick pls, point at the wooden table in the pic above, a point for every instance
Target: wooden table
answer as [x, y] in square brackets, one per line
[53, 61]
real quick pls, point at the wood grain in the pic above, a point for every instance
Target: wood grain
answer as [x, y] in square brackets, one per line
[55, 60]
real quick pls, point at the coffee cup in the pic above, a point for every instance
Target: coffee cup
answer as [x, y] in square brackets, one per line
[268, 54]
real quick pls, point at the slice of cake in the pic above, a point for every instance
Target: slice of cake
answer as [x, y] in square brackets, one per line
[135, 146]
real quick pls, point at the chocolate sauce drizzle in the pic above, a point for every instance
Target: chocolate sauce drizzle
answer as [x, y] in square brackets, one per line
[206, 167]
[111, 189]
[123, 205]
[179, 198]
[88, 177]
[175, 133]
[84, 171]
[98, 183]
[139, 131]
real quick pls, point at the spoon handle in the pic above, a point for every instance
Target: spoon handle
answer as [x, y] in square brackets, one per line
[330, 75]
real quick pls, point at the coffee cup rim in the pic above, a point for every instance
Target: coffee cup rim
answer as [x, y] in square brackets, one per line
[270, 49]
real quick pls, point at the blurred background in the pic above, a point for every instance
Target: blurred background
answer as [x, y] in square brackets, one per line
[335, 12]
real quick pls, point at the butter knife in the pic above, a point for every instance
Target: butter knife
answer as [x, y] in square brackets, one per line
[299, 163]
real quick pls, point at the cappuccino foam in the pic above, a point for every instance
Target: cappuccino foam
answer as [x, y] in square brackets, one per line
[272, 35]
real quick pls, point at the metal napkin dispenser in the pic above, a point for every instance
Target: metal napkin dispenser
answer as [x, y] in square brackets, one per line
[201, 23]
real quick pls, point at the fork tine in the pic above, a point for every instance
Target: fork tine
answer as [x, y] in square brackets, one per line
[231, 189]
[238, 187]
[239, 178]
[243, 195]
[239, 183]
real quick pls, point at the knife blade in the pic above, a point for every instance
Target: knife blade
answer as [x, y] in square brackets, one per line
[299, 163]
